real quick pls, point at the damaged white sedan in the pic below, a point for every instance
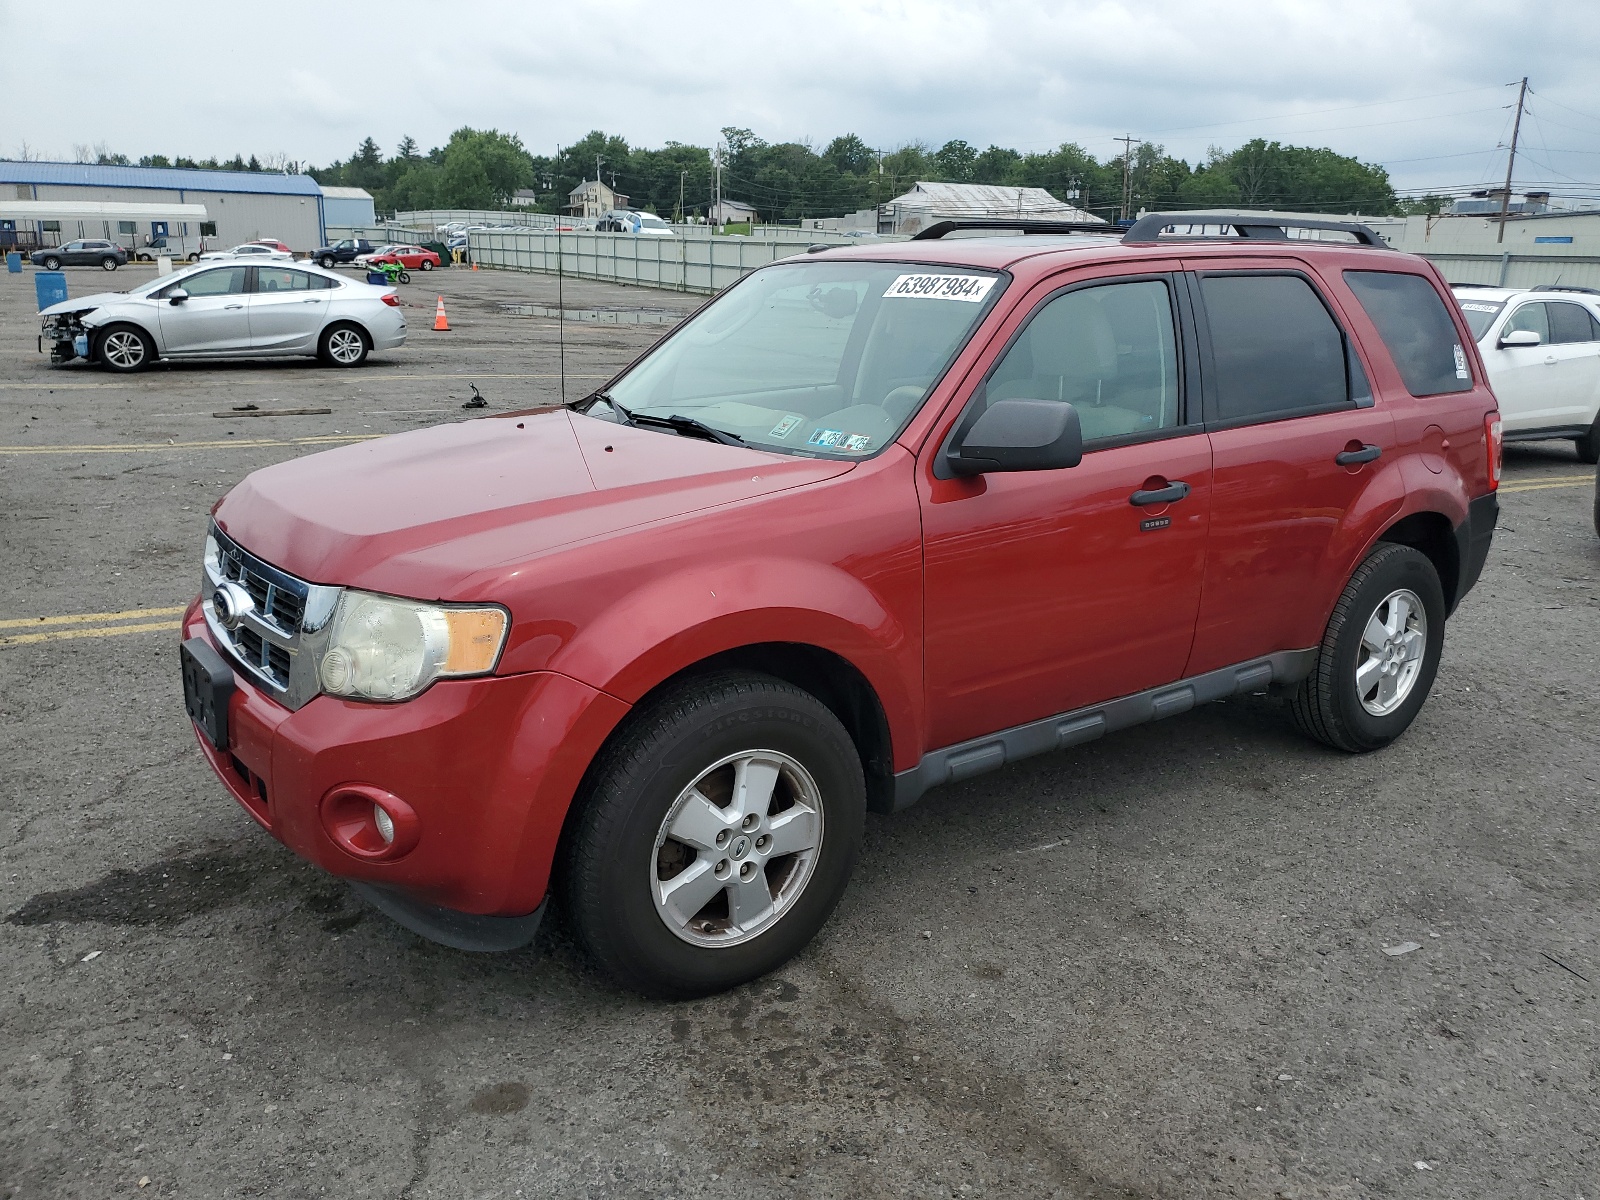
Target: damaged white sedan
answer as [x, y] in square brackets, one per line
[237, 310]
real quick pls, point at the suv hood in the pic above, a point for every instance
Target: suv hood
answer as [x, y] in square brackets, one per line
[419, 514]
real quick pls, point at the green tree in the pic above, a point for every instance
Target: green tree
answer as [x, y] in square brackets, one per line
[956, 162]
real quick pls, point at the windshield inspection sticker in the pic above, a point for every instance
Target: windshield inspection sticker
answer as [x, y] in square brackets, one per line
[1461, 363]
[1474, 306]
[785, 426]
[971, 288]
[826, 437]
[856, 441]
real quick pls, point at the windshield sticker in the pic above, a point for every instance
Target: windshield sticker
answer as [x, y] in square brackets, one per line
[826, 437]
[971, 288]
[856, 441]
[786, 426]
[1474, 306]
[1461, 363]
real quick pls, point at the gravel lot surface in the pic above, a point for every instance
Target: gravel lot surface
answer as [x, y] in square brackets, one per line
[1153, 966]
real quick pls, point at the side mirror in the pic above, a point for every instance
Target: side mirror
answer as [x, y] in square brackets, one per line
[1522, 337]
[1020, 435]
[177, 296]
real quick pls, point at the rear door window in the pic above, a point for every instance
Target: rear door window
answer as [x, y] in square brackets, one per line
[1570, 323]
[1276, 350]
[281, 279]
[1416, 327]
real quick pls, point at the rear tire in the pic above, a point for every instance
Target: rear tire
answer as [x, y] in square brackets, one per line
[344, 345]
[745, 766]
[404, 277]
[427, 264]
[124, 349]
[52, 263]
[108, 263]
[1589, 444]
[1379, 655]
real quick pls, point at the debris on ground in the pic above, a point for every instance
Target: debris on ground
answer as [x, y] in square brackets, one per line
[477, 400]
[1402, 948]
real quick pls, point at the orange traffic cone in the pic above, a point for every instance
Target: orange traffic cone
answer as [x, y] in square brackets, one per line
[439, 323]
[474, 266]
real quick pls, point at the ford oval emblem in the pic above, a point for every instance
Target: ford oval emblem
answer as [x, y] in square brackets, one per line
[230, 602]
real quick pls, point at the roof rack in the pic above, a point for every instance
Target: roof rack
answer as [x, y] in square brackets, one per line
[1567, 287]
[1259, 226]
[1020, 225]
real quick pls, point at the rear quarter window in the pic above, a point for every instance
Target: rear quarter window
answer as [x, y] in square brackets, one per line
[1416, 327]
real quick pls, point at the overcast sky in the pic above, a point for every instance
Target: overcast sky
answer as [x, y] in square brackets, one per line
[1416, 85]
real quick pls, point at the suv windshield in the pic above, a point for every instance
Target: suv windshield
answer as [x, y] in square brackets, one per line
[816, 358]
[1480, 314]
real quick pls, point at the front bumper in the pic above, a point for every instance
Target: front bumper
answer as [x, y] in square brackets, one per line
[489, 766]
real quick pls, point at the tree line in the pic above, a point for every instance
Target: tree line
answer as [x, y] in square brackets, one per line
[786, 181]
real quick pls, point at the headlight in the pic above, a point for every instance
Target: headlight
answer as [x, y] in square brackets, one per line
[383, 648]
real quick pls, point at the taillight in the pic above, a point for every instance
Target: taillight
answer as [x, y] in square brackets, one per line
[1494, 446]
[393, 301]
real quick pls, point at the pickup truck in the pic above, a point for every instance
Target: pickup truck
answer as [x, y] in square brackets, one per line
[341, 252]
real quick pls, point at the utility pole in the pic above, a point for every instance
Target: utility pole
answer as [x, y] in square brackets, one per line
[1128, 143]
[1511, 160]
[681, 176]
[716, 212]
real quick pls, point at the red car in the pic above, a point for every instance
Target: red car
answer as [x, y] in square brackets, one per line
[409, 257]
[873, 520]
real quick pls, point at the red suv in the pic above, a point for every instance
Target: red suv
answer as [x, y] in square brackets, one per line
[872, 520]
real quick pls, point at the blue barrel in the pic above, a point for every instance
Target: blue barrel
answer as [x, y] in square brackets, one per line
[14, 262]
[377, 277]
[51, 287]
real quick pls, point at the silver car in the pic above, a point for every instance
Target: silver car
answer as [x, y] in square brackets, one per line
[229, 310]
[249, 250]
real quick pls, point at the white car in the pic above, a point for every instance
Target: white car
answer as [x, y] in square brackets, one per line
[252, 250]
[229, 310]
[362, 260]
[1542, 348]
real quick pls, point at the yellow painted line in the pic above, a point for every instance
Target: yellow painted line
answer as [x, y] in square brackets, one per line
[56, 635]
[1545, 487]
[137, 447]
[86, 618]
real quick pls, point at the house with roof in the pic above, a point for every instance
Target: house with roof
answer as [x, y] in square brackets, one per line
[592, 199]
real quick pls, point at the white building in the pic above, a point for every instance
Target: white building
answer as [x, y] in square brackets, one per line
[348, 208]
[592, 199]
[240, 205]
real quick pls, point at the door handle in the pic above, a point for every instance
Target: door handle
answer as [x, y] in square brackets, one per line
[1549, 360]
[1354, 458]
[310, 300]
[1171, 494]
[226, 307]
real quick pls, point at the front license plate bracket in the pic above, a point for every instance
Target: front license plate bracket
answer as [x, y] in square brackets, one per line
[207, 688]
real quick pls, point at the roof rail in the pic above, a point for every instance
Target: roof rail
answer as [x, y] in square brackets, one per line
[1567, 287]
[1261, 226]
[1019, 225]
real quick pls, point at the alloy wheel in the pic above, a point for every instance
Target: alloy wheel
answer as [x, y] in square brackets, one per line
[123, 349]
[737, 848]
[1392, 647]
[345, 346]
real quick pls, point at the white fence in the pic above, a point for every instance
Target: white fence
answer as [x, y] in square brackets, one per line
[1519, 270]
[678, 264]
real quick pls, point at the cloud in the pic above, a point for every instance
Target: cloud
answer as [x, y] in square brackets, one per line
[1412, 82]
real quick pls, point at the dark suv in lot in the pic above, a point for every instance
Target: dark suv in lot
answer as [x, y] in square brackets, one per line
[873, 520]
[82, 253]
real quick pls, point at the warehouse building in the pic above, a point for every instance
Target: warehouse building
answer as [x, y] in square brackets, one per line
[350, 208]
[240, 206]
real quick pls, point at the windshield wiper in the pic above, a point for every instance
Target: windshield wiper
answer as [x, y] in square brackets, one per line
[688, 427]
[624, 417]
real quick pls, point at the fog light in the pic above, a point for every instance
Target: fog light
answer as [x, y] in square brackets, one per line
[370, 823]
[384, 822]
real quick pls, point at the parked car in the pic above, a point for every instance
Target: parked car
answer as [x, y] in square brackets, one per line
[273, 244]
[237, 309]
[365, 260]
[410, 257]
[341, 252]
[1542, 349]
[172, 246]
[874, 519]
[632, 221]
[81, 253]
[251, 250]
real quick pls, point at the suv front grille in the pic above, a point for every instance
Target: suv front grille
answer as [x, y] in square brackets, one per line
[266, 640]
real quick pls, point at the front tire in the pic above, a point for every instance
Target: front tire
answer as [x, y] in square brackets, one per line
[327, 262]
[717, 832]
[124, 349]
[1379, 655]
[343, 346]
[52, 263]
